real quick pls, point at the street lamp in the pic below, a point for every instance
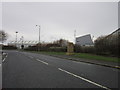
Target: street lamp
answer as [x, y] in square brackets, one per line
[16, 38]
[22, 46]
[2, 41]
[75, 36]
[39, 38]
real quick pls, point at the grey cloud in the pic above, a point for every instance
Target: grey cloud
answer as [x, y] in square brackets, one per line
[59, 19]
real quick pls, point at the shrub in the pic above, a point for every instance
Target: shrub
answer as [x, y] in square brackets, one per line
[88, 49]
[58, 49]
[9, 47]
[84, 49]
[108, 45]
[77, 48]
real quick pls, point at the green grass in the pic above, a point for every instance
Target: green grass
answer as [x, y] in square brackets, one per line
[96, 57]
[53, 53]
[85, 56]
[49, 53]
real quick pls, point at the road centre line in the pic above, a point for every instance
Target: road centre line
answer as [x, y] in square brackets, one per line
[84, 79]
[42, 61]
[5, 57]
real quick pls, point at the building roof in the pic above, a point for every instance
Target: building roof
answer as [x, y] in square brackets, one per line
[113, 33]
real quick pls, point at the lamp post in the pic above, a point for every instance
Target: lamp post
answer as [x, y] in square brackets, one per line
[16, 38]
[2, 41]
[39, 38]
[22, 46]
[75, 36]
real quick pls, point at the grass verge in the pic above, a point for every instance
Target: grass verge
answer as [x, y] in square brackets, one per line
[83, 55]
[96, 57]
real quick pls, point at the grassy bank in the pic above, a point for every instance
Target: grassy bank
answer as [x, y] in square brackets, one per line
[96, 57]
[84, 55]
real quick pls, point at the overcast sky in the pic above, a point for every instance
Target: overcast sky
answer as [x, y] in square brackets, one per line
[59, 19]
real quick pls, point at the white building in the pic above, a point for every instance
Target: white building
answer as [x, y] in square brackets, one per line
[85, 40]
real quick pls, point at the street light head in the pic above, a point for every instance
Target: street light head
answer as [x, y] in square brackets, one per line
[38, 25]
[16, 32]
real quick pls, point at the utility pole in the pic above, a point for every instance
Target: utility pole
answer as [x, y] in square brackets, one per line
[75, 36]
[22, 46]
[39, 38]
[2, 41]
[92, 38]
[16, 38]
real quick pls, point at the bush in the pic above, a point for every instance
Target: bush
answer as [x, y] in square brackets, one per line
[84, 49]
[88, 49]
[77, 49]
[108, 45]
[58, 49]
[46, 48]
[31, 48]
[9, 47]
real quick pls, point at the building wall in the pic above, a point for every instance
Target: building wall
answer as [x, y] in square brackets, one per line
[84, 40]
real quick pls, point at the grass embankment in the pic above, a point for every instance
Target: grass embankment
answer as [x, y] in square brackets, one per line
[97, 57]
[85, 56]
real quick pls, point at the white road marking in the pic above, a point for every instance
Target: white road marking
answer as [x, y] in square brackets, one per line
[84, 79]
[5, 57]
[42, 61]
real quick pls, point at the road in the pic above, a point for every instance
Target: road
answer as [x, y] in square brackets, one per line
[0, 69]
[30, 70]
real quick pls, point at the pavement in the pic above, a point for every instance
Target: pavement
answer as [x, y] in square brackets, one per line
[31, 70]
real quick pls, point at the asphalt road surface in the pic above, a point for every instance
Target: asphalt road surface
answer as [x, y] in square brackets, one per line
[30, 70]
[0, 70]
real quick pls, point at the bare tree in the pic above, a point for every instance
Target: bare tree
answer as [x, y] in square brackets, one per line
[3, 36]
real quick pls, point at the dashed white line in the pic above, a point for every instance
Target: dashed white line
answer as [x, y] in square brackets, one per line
[5, 58]
[42, 61]
[84, 79]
